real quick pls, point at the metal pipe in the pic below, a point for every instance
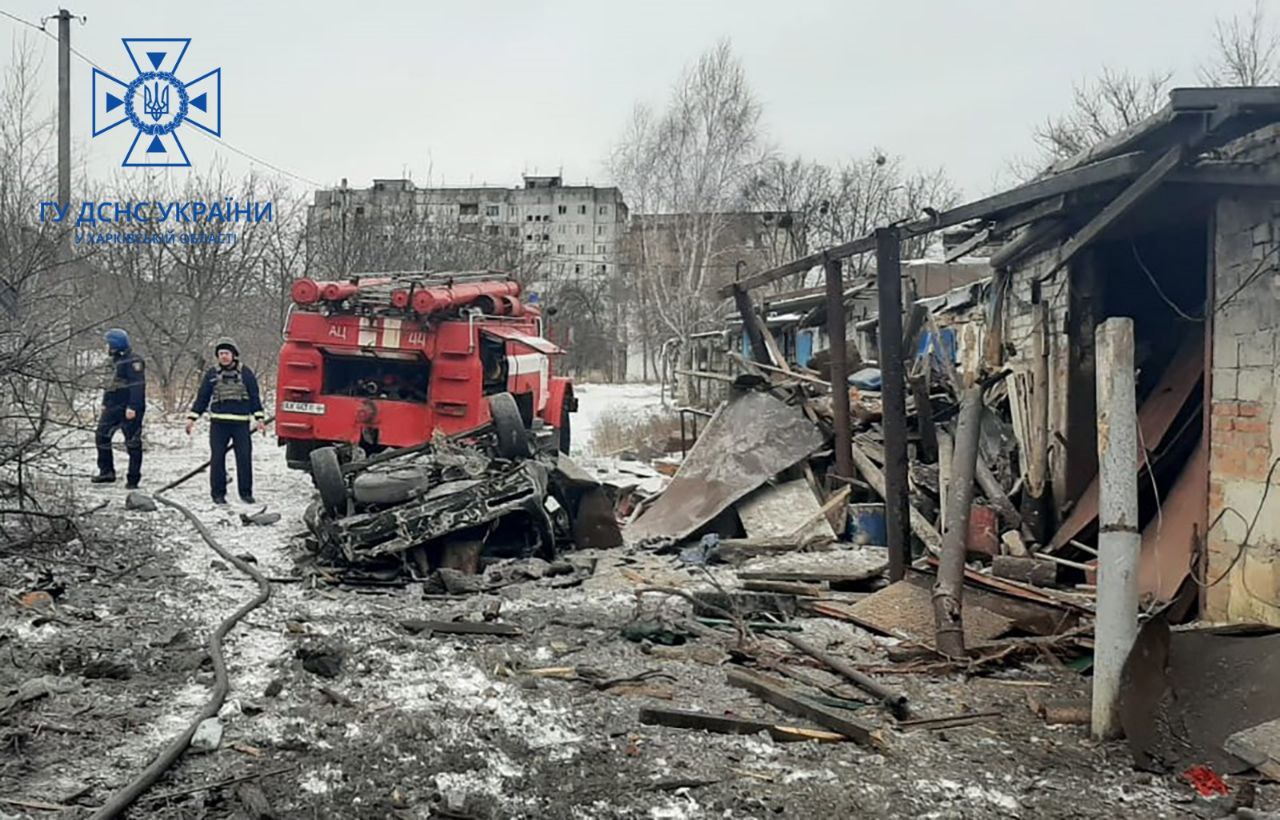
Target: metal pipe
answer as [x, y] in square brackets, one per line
[894, 400]
[1119, 541]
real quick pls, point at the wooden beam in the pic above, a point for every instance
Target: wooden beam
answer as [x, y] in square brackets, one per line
[772, 693]
[1123, 166]
[1118, 207]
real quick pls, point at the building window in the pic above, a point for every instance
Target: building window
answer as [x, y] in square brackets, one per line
[582, 209]
[491, 210]
[564, 209]
[559, 248]
[560, 228]
[528, 217]
[546, 237]
[604, 209]
[599, 250]
[359, 210]
[528, 237]
[469, 208]
[581, 249]
[513, 231]
[577, 269]
[492, 230]
[580, 227]
[599, 230]
[604, 268]
[513, 212]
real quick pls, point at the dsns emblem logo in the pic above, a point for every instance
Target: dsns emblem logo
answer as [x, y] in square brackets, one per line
[156, 103]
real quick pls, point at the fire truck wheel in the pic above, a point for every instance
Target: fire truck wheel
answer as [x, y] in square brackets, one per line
[513, 436]
[326, 473]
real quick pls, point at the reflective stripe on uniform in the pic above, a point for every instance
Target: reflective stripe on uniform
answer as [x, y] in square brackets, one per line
[230, 417]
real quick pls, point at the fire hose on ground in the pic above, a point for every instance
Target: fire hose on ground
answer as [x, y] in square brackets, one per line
[124, 798]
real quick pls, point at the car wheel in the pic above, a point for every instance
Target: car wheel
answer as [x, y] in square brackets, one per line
[513, 435]
[326, 473]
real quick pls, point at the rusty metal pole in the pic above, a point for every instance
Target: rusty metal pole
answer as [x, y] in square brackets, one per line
[893, 399]
[1119, 541]
[839, 369]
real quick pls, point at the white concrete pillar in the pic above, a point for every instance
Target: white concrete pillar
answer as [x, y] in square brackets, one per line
[1119, 540]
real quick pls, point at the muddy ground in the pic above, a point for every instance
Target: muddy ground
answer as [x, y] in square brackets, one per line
[457, 726]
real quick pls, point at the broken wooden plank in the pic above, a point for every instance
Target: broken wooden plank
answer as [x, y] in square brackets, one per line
[947, 722]
[1063, 711]
[711, 604]
[776, 694]
[416, 626]
[727, 725]
[896, 701]
[1025, 569]
[919, 524]
[796, 588]
[813, 577]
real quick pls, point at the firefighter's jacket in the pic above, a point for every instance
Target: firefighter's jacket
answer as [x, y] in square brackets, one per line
[228, 394]
[127, 386]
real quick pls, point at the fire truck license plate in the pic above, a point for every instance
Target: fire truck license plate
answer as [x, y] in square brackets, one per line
[302, 407]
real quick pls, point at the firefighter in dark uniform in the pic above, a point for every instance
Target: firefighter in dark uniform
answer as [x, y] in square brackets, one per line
[123, 403]
[229, 392]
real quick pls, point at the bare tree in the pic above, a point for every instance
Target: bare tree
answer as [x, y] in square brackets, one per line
[1106, 105]
[810, 206]
[1246, 50]
[685, 170]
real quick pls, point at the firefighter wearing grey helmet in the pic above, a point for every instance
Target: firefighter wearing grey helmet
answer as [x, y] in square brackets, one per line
[229, 393]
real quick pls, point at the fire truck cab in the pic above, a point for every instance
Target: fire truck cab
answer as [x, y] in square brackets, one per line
[387, 360]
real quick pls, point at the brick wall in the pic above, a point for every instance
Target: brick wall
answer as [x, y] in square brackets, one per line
[1244, 422]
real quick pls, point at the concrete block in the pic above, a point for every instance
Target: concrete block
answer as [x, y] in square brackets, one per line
[1256, 349]
[1255, 384]
[1224, 383]
[1226, 350]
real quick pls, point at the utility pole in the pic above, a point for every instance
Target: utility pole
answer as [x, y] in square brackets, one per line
[64, 106]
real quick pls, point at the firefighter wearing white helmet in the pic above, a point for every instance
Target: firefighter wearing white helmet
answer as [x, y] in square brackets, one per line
[229, 392]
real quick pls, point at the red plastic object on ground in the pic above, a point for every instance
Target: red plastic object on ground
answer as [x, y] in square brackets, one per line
[1205, 781]
[408, 356]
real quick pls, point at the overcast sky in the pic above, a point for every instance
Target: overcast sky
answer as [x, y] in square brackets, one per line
[483, 91]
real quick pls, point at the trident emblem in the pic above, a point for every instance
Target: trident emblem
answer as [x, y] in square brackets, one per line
[155, 102]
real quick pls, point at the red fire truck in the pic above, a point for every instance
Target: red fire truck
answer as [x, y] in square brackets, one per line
[387, 360]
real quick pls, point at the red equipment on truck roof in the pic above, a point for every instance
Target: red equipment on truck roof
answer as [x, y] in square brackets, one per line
[386, 360]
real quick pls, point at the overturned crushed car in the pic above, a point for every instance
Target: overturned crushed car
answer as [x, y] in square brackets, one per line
[455, 503]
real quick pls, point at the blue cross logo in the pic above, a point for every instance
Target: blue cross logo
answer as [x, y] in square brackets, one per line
[156, 103]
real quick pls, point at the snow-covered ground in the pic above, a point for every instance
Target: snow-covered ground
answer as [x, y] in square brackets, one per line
[598, 400]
